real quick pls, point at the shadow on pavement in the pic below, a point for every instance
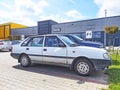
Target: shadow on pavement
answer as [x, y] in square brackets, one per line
[96, 77]
[4, 51]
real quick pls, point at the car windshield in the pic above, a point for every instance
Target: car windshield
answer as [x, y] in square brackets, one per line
[68, 41]
[74, 38]
[77, 37]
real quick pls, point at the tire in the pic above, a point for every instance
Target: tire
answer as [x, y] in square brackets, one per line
[25, 60]
[83, 67]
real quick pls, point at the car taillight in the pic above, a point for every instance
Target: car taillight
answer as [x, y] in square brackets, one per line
[1, 43]
[11, 49]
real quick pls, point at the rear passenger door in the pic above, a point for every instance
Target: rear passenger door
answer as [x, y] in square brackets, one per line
[34, 48]
[54, 50]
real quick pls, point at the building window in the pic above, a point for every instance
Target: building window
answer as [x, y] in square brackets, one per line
[97, 35]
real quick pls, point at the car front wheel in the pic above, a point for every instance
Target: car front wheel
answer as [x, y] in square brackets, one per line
[25, 61]
[83, 67]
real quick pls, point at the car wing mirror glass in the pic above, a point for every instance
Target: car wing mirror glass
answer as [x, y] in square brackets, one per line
[61, 45]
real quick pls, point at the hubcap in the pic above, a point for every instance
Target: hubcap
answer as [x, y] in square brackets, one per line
[24, 60]
[83, 68]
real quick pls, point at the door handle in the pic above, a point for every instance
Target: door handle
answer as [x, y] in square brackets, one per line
[27, 48]
[44, 49]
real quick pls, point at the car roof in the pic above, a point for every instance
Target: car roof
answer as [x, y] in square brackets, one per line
[49, 35]
[45, 35]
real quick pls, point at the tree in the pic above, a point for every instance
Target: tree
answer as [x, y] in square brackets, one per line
[111, 29]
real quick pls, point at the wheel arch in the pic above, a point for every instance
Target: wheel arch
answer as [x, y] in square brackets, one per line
[20, 56]
[81, 57]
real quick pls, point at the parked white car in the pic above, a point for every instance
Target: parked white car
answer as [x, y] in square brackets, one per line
[5, 45]
[60, 50]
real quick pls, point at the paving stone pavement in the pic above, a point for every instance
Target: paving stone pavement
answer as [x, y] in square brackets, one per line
[15, 77]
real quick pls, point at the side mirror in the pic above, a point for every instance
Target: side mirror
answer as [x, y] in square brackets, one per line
[61, 45]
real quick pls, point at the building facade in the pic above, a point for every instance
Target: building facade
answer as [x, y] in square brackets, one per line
[25, 31]
[5, 29]
[95, 27]
[28, 31]
[45, 27]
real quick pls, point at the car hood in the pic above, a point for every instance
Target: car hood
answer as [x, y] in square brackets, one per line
[90, 52]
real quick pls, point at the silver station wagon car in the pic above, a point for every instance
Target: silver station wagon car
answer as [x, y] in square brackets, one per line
[60, 50]
[5, 45]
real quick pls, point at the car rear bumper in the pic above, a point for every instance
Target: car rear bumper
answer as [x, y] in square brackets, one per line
[15, 55]
[101, 64]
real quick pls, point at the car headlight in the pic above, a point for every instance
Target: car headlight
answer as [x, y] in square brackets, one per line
[106, 56]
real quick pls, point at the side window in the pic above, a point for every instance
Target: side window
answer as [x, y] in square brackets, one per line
[36, 42]
[26, 42]
[53, 41]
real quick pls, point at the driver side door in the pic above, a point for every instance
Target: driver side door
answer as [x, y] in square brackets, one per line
[54, 50]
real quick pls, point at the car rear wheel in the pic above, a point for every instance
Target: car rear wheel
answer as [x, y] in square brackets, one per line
[25, 61]
[83, 67]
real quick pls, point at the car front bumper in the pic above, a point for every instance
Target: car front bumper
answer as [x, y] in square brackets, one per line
[101, 64]
[5, 48]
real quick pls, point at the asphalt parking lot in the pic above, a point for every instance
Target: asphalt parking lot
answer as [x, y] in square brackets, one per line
[45, 77]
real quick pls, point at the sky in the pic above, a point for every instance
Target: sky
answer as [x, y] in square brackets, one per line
[29, 12]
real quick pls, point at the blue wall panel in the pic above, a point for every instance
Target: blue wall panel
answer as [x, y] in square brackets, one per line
[44, 27]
